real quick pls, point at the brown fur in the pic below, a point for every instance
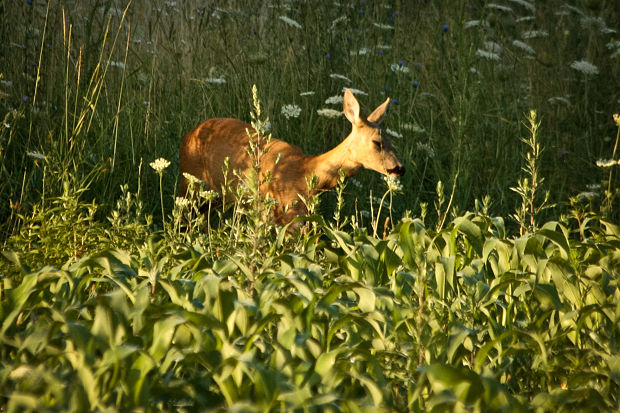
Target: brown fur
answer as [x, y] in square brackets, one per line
[205, 148]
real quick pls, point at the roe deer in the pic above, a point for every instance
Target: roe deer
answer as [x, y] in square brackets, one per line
[204, 150]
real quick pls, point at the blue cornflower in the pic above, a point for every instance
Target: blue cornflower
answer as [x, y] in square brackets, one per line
[415, 83]
[445, 27]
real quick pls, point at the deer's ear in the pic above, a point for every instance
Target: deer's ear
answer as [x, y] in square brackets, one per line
[352, 108]
[377, 115]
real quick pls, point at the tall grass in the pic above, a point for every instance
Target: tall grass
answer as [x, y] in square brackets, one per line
[118, 84]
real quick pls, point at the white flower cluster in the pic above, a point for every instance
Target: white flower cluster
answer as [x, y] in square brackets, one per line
[290, 22]
[159, 165]
[524, 46]
[340, 77]
[290, 111]
[584, 67]
[329, 113]
[334, 100]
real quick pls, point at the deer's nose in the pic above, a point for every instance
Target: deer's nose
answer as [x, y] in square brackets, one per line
[397, 170]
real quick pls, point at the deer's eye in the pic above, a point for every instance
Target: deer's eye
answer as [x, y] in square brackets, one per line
[378, 145]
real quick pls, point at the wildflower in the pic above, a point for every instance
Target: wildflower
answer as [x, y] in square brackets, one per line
[584, 67]
[412, 127]
[393, 134]
[334, 100]
[487, 55]
[337, 21]
[6, 125]
[425, 148]
[593, 187]
[355, 91]
[499, 7]
[356, 183]
[473, 23]
[384, 47]
[215, 80]
[607, 163]
[328, 56]
[416, 83]
[525, 19]
[524, 46]
[290, 111]
[587, 195]
[617, 119]
[35, 155]
[120, 65]
[329, 113]
[400, 67]
[383, 26]
[361, 52]
[209, 195]
[290, 22]
[393, 183]
[191, 179]
[159, 165]
[559, 99]
[534, 34]
[181, 202]
[525, 4]
[308, 93]
[445, 27]
[493, 47]
[340, 77]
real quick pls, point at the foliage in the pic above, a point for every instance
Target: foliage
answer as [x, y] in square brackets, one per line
[465, 318]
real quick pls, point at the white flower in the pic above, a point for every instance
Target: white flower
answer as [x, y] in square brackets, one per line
[290, 22]
[412, 127]
[361, 52]
[584, 67]
[499, 7]
[525, 4]
[356, 183]
[606, 163]
[334, 100]
[181, 202]
[383, 26]
[338, 20]
[215, 80]
[191, 179]
[160, 164]
[384, 47]
[471, 23]
[593, 187]
[524, 46]
[209, 195]
[393, 134]
[329, 113]
[493, 47]
[35, 155]
[426, 148]
[559, 99]
[171, 3]
[290, 111]
[487, 55]
[393, 183]
[116, 64]
[587, 194]
[308, 93]
[525, 19]
[340, 77]
[533, 34]
[6, 125]
[399, 68]
[355, 91]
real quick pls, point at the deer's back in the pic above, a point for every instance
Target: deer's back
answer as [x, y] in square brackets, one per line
[204, 150]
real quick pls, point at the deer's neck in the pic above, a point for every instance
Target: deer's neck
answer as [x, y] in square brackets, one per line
[327, 166]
